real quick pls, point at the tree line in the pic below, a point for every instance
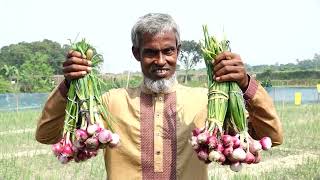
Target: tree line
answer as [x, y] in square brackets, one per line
[29, 67]
[312, 64]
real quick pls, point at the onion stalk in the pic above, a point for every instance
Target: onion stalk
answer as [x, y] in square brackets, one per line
[225, 138]
[87, 124]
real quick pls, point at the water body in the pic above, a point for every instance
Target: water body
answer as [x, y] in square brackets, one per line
[286, 94]
[22, 100]
[37, 100]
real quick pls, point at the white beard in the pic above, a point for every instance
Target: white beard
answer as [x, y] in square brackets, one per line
[161, 85]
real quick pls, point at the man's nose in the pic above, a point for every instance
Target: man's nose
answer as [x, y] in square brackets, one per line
[161, 60]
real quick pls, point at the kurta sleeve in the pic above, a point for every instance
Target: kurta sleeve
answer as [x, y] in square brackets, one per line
[51, 121]
[263, 118]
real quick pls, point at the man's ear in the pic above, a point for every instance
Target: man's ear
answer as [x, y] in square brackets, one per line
[136, 53]
[178, 49]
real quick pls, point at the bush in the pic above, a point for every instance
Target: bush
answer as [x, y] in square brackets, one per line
[5, 86]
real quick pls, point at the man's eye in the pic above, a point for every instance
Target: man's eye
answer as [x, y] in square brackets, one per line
[169, 51]
[149, 52]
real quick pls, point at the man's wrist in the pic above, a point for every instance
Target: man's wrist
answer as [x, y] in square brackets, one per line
[251, 90]
[64, 87]
[245, 84]
[67, 82]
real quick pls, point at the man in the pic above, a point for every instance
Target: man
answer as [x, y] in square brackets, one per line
[155, 120]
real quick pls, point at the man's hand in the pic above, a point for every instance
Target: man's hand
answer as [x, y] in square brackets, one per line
[75, 66]
[229, 67]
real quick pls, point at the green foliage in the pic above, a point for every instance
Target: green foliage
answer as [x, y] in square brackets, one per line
[33, 64]
[296, 158]
[36, 74]
[190, 55]
[10, 72]
[197, 84]
[121, 82]
[82, 46]
[306, 74]
[5, 86]
[17, 54]
[296, 82]
[54, 51]
[266, 83]
[300, 65]
[302, 73]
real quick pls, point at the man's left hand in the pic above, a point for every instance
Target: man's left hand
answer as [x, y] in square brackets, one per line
[229, 67]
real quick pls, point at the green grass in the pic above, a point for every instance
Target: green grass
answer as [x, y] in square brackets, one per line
[309, 170]
[18, 120]
[301, 121]
[47, 167]
[25, 142]
[297, 158]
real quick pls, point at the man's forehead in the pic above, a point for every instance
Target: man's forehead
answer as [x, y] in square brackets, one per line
[165, 39]
[159, 35]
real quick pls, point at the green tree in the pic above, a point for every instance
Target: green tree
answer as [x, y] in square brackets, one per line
[5, 86]
[190, 55]
[11, 81]
[15, 54]
[18, 54]
[10, 72]
[54, 51]
[37, 74]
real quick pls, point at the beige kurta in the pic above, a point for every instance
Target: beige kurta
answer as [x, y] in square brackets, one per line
[146, 123]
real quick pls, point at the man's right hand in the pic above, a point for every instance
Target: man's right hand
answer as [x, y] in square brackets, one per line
[75, 66]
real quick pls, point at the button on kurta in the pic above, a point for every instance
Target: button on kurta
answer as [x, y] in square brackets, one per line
[158, 136]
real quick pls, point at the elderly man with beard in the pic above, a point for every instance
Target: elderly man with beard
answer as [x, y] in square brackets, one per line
[155, 120]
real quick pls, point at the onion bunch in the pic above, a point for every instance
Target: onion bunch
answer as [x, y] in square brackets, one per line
[85, 120]
[227, 149]
[225, 138]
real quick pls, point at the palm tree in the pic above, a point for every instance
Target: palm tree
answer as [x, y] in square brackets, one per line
[10, 72]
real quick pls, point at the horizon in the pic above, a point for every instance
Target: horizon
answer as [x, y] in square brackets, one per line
[263, 33]
[181, 68]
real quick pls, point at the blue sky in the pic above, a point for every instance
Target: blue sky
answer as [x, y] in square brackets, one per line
[261, 31]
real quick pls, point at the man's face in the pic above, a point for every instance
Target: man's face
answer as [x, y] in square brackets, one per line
[157, 55]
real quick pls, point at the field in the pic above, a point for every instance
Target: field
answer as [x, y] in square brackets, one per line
[21, 157]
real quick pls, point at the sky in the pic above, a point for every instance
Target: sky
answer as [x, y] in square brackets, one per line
[260, 31]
